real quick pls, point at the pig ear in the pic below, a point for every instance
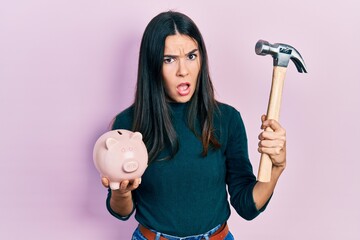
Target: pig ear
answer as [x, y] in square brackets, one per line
[136, 136]
[110, 142]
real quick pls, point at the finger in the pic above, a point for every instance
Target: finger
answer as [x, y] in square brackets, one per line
[105, 182]
[136, 180]
[270, 151]
[268, 135]
[263, 118]
[135, 184]
[273, 124]
[272, 144]
[124, 184]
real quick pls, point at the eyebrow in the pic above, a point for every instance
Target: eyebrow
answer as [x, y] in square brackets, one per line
[189, 53]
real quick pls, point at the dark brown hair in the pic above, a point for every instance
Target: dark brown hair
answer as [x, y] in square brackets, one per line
[152, 115]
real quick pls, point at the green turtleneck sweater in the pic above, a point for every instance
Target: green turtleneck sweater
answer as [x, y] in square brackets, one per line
[187, 194]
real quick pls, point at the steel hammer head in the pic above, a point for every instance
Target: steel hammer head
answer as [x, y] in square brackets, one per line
[281, 54]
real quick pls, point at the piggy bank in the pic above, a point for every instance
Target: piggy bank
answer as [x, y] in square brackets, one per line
[120, 154]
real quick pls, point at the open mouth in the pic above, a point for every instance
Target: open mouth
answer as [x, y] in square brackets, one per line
[183, 88]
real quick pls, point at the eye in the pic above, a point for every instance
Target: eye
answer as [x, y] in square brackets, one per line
[192, 56]
[168, 60]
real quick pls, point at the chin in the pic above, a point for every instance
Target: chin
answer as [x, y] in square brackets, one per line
[180, 99]
[183, 99]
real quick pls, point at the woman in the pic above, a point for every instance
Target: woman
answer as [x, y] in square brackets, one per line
[197, 146]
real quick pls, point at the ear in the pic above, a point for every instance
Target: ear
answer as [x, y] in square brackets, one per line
[136, 136]
[110, 142]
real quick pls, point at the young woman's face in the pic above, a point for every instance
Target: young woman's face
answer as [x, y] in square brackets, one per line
[181, 66]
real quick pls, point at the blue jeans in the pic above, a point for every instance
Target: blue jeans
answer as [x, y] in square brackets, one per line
[138, 236]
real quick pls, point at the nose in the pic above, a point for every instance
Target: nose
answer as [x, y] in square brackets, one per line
[182, 68]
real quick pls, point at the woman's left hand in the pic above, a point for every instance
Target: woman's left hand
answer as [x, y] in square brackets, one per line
[273, 142]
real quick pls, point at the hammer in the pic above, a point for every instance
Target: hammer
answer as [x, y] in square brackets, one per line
[281, 54]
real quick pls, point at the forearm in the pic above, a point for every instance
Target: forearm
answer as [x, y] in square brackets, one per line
[122, 204]
[263, 190]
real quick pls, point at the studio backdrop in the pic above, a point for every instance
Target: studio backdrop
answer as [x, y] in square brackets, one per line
[68, 67]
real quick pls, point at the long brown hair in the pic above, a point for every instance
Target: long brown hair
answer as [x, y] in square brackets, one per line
[152, 115]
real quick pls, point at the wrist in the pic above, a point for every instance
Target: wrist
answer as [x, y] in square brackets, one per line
[116, 195]
[278, 169]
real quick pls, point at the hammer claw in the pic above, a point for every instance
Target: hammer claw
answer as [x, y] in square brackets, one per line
[298, 61]
[299, 66]
[281, 54]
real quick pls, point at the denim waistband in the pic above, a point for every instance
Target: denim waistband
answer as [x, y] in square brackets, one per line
[194, 237]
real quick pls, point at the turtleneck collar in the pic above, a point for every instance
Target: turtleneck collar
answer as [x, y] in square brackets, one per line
[178, 107]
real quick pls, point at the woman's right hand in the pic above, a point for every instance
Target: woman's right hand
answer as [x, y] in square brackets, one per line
[126, 186]
[121, 200]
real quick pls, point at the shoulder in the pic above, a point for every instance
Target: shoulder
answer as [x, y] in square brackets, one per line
[231, 128]
[227, 111]
[225, 107]
[124, 120]
[229, 118]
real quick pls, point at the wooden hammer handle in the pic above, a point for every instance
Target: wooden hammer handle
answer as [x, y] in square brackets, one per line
[273, 112]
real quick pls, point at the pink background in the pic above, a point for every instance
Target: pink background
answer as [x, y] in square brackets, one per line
[68, 67]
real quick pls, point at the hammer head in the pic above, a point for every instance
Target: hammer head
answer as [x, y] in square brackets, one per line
[281, 54]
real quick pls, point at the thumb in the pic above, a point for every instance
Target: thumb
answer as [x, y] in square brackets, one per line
[263, 118]
[105, 182]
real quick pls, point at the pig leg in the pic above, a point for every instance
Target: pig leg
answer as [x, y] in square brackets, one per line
[114, 185]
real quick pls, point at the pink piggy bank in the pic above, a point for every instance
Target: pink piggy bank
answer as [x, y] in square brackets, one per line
[120, 154]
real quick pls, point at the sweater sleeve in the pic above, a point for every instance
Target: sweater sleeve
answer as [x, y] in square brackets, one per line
[239, 174]
[113, 213]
